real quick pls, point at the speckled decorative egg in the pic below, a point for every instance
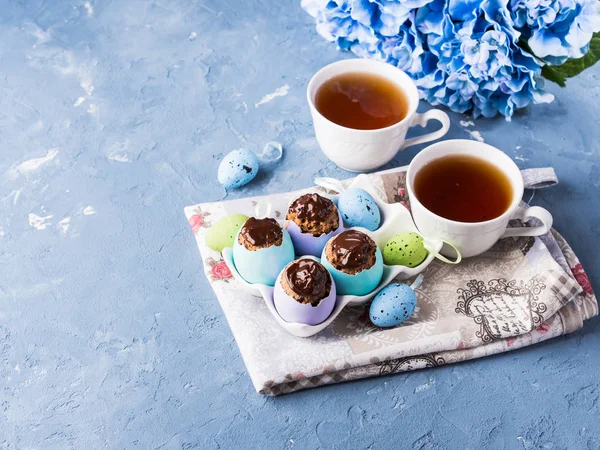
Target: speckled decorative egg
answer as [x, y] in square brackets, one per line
[265, 249]
[304, 292]
[223, 233]
[405, 249]
[358, 209]
[312, 220]
[238, 168]
[392, 305]
[344, 257]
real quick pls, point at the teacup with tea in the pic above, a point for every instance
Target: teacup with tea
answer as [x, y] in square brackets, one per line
[465, 192]
[362, 110]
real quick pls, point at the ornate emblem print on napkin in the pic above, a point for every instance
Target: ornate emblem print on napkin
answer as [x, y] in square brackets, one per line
[520, 292]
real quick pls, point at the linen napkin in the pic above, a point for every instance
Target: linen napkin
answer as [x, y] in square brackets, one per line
[521, 292]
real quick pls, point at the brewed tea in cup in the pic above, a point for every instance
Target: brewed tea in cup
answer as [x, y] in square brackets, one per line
[363, 101]
[463, 188]
[465, 192]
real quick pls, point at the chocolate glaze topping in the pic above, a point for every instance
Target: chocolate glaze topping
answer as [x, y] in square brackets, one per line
[261, 232]
[352, 248]
[308, 278]
[312, 207]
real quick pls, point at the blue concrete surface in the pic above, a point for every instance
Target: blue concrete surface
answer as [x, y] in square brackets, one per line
[110, 336]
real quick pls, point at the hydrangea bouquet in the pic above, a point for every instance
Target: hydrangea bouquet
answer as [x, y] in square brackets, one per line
[479, 56]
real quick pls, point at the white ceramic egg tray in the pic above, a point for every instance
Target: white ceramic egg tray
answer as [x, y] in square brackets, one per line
[395, 218]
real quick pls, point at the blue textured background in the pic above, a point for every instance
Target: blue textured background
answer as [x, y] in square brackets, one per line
[110, 336]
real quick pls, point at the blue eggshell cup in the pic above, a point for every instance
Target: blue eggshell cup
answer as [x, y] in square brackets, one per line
[360, 284]
[263, 265]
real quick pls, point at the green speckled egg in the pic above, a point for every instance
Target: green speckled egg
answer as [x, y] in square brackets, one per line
[404, 249]
[222, 233]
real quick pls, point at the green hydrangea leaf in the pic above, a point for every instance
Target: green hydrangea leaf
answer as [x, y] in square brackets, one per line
[553, 73]
[573, 67]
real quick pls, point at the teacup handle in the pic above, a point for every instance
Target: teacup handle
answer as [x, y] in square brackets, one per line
[525, 214]
[422, 119]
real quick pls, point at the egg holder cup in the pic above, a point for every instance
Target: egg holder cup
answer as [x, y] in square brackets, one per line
[395, 218]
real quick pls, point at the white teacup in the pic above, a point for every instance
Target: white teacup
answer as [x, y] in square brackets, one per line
[363, 150]
[473, 238]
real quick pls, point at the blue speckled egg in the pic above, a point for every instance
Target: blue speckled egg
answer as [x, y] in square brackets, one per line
[393, 305]
[238, 168]
[358, 209]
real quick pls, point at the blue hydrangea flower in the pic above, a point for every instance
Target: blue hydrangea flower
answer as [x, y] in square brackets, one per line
[464, 54]
[404, 49]
[557, 30]
[343, 21]
[482, 68]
